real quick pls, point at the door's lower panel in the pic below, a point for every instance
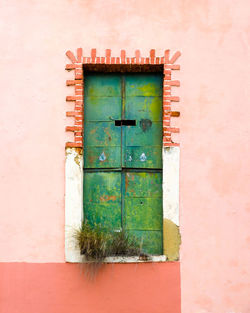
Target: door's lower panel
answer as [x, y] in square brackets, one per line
[102, 199]
[150, 241]
[142, 212]
[126, 199]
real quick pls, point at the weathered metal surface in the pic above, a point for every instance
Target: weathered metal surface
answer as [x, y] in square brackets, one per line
[145, 85]
[142, 213]
[151, 241]
[131, 199]
[130, 97]
[102, 199]
[102, 139]
[142, 143]
[103, 145]
[143, 184]
[102, 108]
[102, 85]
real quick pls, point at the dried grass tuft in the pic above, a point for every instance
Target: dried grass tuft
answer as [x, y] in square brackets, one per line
[97, 243]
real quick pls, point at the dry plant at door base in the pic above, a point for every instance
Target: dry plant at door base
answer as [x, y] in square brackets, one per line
[97, 243]
[93, 242]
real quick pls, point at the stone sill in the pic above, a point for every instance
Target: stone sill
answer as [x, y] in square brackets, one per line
[121, 259]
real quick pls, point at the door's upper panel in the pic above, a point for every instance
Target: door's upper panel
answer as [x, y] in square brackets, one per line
[110, 97]
[102, 105]
[102, 85]
[143, 142]
[143, 85]
[148, 107]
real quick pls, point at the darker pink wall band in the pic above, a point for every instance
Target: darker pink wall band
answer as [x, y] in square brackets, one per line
[77, 65]
[65, 288]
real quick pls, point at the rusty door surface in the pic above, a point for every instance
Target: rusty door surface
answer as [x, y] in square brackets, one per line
[123, 155]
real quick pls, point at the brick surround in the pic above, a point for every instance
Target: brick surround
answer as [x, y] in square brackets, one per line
[77, 65]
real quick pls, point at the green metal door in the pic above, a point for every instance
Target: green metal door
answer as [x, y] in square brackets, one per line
[122, 155]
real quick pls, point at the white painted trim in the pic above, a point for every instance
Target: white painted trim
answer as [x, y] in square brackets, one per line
[170, 185]
[73, 201]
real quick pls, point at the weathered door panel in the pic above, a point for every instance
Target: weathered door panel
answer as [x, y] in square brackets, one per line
[103, 157]
[143, 142]
[143, 148]
[142, 211]
[102, 199]
[102, 108]
[143, 184]
[142, 157]
[151, 241]
[143, 107]
[103, 145]
[102, 85]
[102, 139]
[151, 137]
[145, 85]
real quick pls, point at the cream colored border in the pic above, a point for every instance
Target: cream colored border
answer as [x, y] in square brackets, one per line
[170, 189]
[73, 201]
[171, 160]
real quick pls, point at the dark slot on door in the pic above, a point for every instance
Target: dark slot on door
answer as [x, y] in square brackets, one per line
[125, 122]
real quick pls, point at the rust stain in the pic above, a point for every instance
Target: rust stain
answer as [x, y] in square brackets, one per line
[106, 131]
[107, 198]
[171, 240]
[175, 113]
[91, 159]
[126, 182]
[93, 131]
[78, 150]
[78, 156]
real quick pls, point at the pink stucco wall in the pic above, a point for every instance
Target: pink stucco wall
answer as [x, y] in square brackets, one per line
[213, 37]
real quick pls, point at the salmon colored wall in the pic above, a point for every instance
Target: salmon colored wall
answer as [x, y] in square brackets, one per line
[63, 288]
[213, 37]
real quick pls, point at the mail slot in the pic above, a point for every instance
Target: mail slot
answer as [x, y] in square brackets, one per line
[125, 122]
